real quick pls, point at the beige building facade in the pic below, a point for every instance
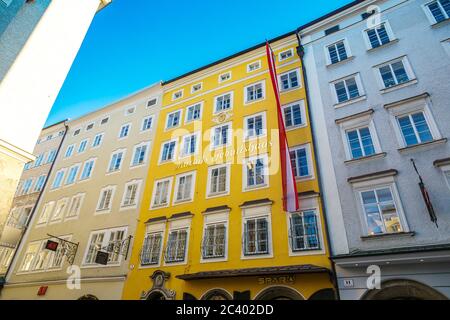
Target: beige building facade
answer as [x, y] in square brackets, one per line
[31, 184]
[90, 205]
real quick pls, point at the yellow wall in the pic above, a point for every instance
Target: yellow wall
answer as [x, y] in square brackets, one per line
[138, 279]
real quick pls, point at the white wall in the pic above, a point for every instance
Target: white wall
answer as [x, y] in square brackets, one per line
[32, 84]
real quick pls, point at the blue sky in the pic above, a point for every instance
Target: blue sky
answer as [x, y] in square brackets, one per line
[134, 43]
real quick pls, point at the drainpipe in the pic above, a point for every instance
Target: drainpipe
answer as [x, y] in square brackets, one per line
[301, 53]
[33, 211]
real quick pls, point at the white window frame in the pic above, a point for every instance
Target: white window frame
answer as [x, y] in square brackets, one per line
[123, 151]
[215, 218]
[302, 112]
[231, 93]
[154, 228]
[307, 147]
[290, 50]
[191, 197]
[389, 32]
[76, 215]
[175, 152]
[128, 132]
[63, 201]
[128, 111]
[197, 145]
[175, 225]
[379, 183]
[89, 124]
[105, 241]
[86, 144]
[446, 172]
[263, 87]
[147, 150]
[186, 120]
[169, 193]
[223, 74]
[72, 147]
[181, 92]
[44, 219]
[151, 118]
[61, 182]
[430, 16]
[124, 206]
[358, 123]
[180, 119]
[257, 63]
[255, 212]
[99, 210]
[359, 84]
[209, 194]
[229, 136]
[408, 69]
[193, 90]
[245, 162]
[264, 128]
[94, 160]
[299, 80]
[347, 50]
[102, 135]
[148, 101]
[43, 178]
[414, 106]
[78, 166]
[307, 205]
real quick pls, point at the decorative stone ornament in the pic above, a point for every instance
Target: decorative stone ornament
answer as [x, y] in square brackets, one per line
[158, 291]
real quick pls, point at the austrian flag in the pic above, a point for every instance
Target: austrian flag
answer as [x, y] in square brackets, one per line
[290, 197]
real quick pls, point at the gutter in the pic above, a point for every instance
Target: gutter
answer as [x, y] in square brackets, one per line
[301, 53]
[32, 214]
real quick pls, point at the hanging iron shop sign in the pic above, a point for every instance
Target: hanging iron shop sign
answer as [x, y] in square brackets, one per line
[102, 258]
[51, 245]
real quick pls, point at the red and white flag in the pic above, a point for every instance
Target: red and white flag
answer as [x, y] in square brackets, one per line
[290, 197]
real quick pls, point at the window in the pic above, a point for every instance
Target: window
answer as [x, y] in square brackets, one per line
[214, 241]
[360, 142]
[301, 161]
[39, 160]
[347, 89]
[255, 172]
[294, 115]
[225, 76]
[29, 256]
[60, 208]
[51, 156]
[173, 119]
[6, 255]
[337, 52]
[6, 2]
[27, 166]
[221, 135]
[177, 95]
[131, 193]
[72, 175]
[106, 197]
[223, 102]
[59, 176]
[89, 126]
[379, 36]
[194, 112]
[130, 111]
[289, 80]
[46, 212]
[140, 154]
[184, 187]
[124, 131]
[82, 146]
[395, 72]
[116, 161]
[414, 128]
[196, 87]
[75, 206]
[109, 241]
[176, 246]
[97, 140]
[151, 250]
[218, 180]
[40, 183]
[104, 121]
[88, 167]
[161, 192]
[147, 123]
[152, 102]
[284, 55]
[253, 66]
[331, 30]
[76, 132]
[69, 151]
[439, 10]
[168, 151]
[255, 125]
[26, 187]
[304, 231]
[447, 176]
[254, 92]
[190, 144]
[18, 217]
[256, 236]
[380, 211]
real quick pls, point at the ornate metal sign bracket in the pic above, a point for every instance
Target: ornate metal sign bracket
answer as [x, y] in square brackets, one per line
[68, 248]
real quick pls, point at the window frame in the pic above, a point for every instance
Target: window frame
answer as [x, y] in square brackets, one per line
[254, 213]
[266, 184]
[215, 218]
[256, 62]
[430, 15]
[175, 151]
[209, 194]
[153, 229]
[359, 85]
[347, 51]
[222, 74]
[291, 50]
[299, 80]
[197, 135]
[123, 151]
[99, 210]
[180, 119]
[302, 113]
[95, 146]
[186, 120]
[138, 183]
[264, 127]
[229, 142]
[146, 118]
[389, 32]
[408, 69]
[215, 111]
[181, 91]
[184, 224]
[73, 217]
[106, 238]
[263, 88]
[310, 206]
[77, 173]
[61, 182]
[94, 160]
[119, 137]
[169, 193]
[307, 147]
[146, 155]
[193, 186]
[193, 90]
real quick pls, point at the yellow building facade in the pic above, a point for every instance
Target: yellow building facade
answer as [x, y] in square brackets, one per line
[212, 224]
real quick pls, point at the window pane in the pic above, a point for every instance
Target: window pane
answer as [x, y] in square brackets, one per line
[366, 140]
[355, 146]
[400, 72]
[407, 131]
[352, 88]
[422, 127]
[387, 76]
[341, 92]
[341, 50]
[436, 11]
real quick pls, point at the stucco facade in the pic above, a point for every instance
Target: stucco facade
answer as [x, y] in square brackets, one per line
[92, 199]
[379, 94]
